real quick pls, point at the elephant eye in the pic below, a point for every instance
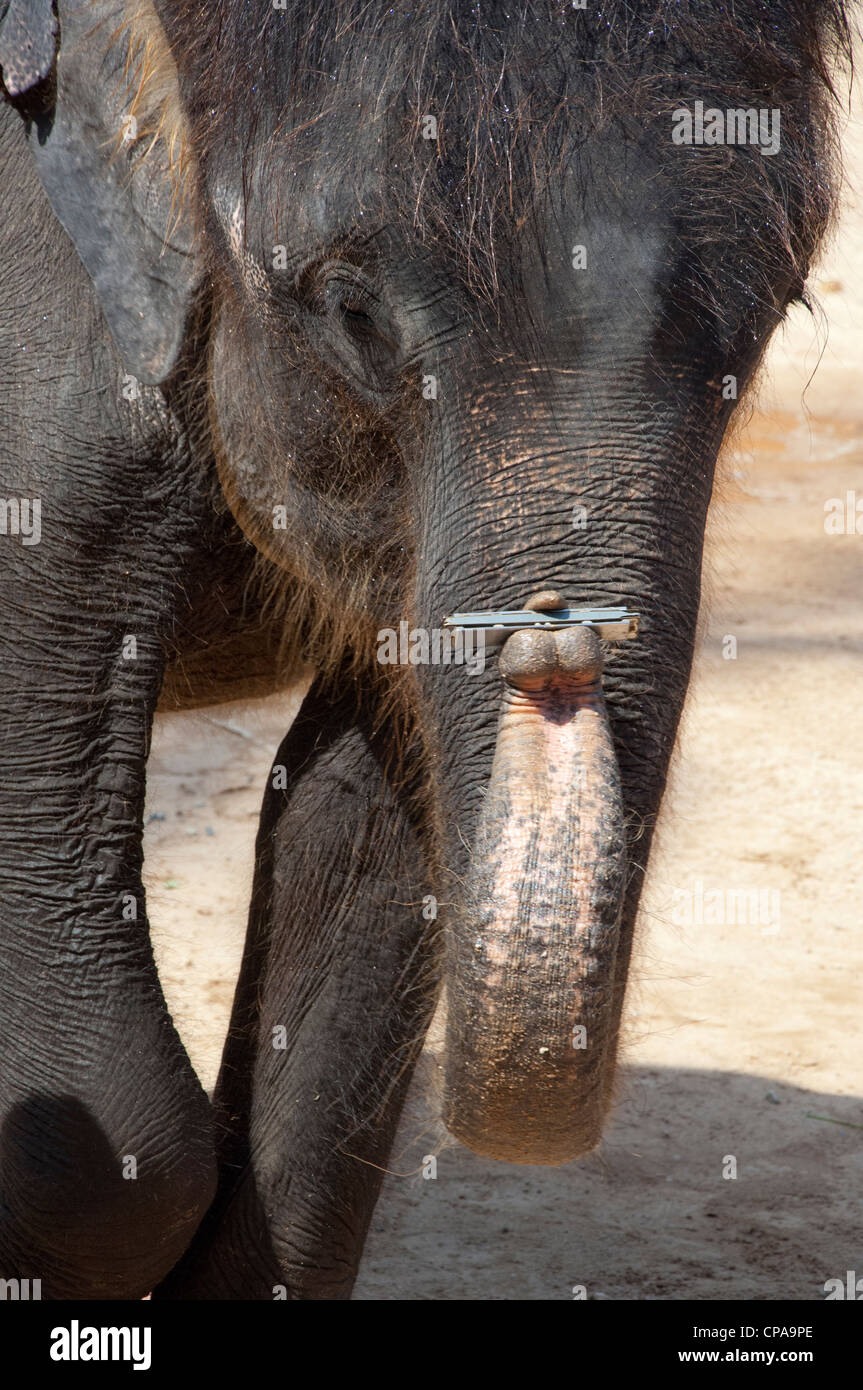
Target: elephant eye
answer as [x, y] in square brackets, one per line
[348, 320]
[357, 320]
[352, 303]
[349, 298]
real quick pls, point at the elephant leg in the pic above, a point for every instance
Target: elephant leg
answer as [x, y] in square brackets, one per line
[106, 1150]
[107, 1159]
[334, 997]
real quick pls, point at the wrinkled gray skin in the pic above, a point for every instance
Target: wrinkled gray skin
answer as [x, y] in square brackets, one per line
[279, 1189]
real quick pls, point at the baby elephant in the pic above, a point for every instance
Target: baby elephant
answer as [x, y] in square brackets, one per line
[321, 323]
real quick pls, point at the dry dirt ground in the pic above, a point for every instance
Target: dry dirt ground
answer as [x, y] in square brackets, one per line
[743, 1029]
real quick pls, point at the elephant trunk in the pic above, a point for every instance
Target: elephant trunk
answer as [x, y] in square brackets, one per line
[531, 956]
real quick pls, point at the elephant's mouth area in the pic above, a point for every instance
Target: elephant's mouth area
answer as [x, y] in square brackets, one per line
[530, 970]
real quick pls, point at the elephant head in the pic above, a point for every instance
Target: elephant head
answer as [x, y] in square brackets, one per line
[478, 324]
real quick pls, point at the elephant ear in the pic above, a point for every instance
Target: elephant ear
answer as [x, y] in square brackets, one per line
[28, 43]
[106, 172]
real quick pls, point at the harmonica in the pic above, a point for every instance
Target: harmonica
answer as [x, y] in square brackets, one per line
[612, 624]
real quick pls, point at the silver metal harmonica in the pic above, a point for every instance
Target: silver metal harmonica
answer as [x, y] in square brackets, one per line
[613, 624]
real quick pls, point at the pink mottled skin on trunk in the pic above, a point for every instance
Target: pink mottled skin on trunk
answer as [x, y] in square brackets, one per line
[533, 957]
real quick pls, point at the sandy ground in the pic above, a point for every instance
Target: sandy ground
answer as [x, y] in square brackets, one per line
[743, 1028]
